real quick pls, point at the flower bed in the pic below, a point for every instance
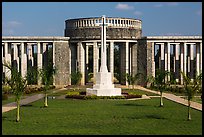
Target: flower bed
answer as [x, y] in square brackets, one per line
[82, 95]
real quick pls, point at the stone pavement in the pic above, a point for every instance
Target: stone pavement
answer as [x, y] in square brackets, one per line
[169, 96]
[25, 101]
[174, 98]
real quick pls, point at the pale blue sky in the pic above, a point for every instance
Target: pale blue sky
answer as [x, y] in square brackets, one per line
[48, 18]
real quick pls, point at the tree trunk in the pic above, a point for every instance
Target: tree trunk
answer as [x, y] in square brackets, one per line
[161, 100]
[189, 106]
[45, 100]
[18, 111]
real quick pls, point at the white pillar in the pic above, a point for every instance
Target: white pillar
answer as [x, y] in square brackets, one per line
[15, 55]
[39, 60]
[127, 58]
[112, 59]
[198, 58]
[201, 57]
[87, 55]
[185, 58]
[23, 60]
[95, 59]
[153, 61]
[87, 62]
[53, 59]
[130, 59]
[7, 60]
[81, 61]
[3, 58]
[30, 55]
[162, 56]
[181, 62]
[191, 61]
[177, 62]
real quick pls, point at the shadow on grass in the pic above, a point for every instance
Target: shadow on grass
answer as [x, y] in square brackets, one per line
[27, 105]
[154, 116]
[4, 118]
[150, 116]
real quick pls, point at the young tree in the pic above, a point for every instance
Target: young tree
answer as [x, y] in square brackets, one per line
[191, 87]
[46, 74]
[76, 77]
[129, 79]
[161, 82]
[17, 84]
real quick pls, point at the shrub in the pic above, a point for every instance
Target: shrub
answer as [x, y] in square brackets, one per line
[6, 89]
[133, 96]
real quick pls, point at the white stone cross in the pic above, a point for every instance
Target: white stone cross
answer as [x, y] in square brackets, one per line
[103, 25]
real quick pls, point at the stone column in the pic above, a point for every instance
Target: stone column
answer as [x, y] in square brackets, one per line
[112, 59]
[162, 56]
[15, 56]
[126, 59]
[23, 60]
[44, 54]
[130, 59]
[53, 59]
[7, 59]
[153, 61]
[191, 61]
[81, 61]
[134, 59]
[3, 58]
[39, 61]
[198, 58]
[95, 59]
[168, 57]
[30, 55]
[185, 59]
[181, 62]
[69, 60]
[87, 62]
[177, 70]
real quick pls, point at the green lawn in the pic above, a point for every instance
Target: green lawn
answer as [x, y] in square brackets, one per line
[103, 117]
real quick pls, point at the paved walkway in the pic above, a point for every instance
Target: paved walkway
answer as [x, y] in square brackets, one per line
[174, 98]
[25, 101]
[169, 96]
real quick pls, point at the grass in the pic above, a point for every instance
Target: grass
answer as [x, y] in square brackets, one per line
[140, 92]
[103, 117]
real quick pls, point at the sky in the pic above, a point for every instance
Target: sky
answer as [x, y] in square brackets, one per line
[48, 18]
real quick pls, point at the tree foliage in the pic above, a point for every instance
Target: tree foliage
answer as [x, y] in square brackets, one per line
[161, 81]
[191, 87]
[46, 73]
[17, 84]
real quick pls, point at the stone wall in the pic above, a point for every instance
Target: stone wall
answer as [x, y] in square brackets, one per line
[62, 63]
[112, 33]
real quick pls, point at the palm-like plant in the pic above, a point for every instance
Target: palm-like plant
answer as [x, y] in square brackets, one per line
[132, 79]
[17, 84]
[129, 79]
[46, 74]
[161, 82]
[191, 87]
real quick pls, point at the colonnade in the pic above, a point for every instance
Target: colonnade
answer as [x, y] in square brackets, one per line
[21, 55]
[82, 57]
[178, 57]
[174, 54]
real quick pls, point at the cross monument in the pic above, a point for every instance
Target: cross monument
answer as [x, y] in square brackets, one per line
[104, 85]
